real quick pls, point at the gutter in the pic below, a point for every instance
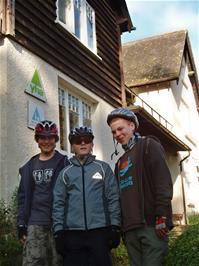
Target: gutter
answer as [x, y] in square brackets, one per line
[183, 190]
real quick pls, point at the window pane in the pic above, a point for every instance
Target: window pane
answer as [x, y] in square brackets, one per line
[77, 11]
[73, 104]
[62, 119]
[89, 21]
[62, 10]
[61, 97]
[62, 122]
[73, 119]
[86, 114]
[66, 13]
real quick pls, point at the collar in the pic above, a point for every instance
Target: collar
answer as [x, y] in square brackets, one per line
[86, 160]
[132, 141]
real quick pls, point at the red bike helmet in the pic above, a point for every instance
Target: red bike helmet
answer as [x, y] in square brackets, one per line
[46, 128]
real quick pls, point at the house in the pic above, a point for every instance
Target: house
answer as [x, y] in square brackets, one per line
[163, 89]
[60, 60]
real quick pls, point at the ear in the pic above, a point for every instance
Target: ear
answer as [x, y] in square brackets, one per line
[92, 145]
[132, 125]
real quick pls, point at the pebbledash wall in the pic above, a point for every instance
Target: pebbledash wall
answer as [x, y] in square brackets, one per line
[177, 104]
[17, 143]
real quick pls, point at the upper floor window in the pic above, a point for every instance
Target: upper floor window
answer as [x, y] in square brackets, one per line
[78, 17]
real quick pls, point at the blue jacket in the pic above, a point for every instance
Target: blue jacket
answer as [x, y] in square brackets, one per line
[86, 196]
[26, 187]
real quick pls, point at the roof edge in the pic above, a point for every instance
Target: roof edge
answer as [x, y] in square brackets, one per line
[153, 82]
[124, 19]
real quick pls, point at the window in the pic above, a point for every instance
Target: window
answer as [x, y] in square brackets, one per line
[74, 111]
[62, 120]
[78, 17]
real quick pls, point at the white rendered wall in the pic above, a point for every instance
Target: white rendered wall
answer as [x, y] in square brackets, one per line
[177, 104]
[17, 143]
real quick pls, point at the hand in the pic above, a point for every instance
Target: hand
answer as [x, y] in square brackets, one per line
[114, 236]
[59, 242]
[22, 233]
[160, 227]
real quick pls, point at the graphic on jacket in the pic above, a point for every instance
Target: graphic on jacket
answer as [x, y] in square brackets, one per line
[126, 181]
[97, 175]
[124, 167]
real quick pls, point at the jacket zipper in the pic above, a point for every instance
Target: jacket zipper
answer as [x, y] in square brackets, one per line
[84, 200]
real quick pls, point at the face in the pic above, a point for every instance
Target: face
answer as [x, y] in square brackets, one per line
[122, 130]
[82, 146]
[46, 144]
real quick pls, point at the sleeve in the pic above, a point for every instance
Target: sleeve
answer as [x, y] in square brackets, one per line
[59, 202]
[21, 201]
[161, 178]
[112, 195]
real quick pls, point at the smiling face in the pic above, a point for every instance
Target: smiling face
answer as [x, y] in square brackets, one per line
[46, 144]
[82, 146]
[122, 130]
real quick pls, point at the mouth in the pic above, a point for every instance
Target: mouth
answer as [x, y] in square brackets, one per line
[46, 147]
[83, 149]
[120, 139]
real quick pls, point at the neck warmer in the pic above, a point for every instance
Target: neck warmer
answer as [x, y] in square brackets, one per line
[132, 141]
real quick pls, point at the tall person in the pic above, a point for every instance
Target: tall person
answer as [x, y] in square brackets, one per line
[146, 191]
[35, 196]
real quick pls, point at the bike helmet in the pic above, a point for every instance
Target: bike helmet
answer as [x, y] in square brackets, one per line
[80, 132]
[46, 128]
[123, 113]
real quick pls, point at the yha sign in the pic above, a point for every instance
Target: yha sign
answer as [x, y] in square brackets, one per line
[35, 87]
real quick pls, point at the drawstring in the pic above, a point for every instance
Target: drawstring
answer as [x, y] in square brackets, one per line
[115, 152]
[128, 146]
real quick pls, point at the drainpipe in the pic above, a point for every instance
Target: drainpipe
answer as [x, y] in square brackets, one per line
[183, 190]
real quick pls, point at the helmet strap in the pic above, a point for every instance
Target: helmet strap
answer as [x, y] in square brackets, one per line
[116, 151]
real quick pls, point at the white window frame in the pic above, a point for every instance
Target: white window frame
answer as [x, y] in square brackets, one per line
[70, 25]
[65, 102]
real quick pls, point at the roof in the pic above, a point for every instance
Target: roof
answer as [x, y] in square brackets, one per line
[124, 19]
[158, 59]
[155, 58]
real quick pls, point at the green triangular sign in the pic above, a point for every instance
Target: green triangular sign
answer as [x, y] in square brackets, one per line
[35, 87]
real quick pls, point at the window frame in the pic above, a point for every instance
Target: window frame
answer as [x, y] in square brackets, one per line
[81, 100]
[70, 27]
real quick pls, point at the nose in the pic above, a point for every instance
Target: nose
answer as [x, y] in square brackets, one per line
[116, 134]
[46, 140]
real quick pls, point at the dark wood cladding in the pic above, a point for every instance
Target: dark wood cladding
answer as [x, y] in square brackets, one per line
[37, 31]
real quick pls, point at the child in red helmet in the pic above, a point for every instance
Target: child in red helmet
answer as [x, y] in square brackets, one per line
[38, 177]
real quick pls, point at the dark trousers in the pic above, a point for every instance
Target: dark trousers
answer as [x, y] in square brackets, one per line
[87, 248]
[145, 248]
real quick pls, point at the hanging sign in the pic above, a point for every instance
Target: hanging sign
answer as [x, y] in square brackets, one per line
[35, 87]
[35, 114]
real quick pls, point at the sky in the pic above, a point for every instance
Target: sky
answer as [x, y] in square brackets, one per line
[161, 16]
